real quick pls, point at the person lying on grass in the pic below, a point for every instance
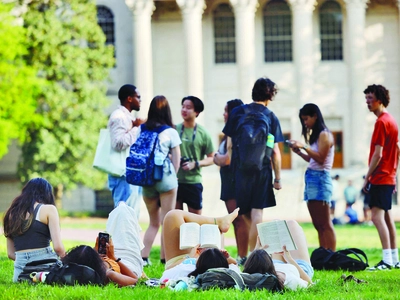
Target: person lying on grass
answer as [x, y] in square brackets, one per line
[109, 268]
[293, 268]
[194, 261]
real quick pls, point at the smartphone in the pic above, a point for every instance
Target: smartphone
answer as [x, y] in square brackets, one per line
[104, 238]
[289, 143]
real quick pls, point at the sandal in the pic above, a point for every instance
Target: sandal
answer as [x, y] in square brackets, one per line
[352, 278]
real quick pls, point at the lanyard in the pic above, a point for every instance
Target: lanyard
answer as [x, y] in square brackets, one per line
[194, 132]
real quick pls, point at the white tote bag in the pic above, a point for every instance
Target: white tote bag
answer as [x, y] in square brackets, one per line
[106, 158]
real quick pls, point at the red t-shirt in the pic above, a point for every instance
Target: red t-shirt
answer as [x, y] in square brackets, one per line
[385, 135]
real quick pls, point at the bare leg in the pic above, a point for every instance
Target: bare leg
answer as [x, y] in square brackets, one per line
[168, 202]
[155, 222]
[241, 229]
[300, 240]
[179, 204]
[194, 211]
[378, 218]
[319, 212]
[175, 218]
[256, 217]
[392, 229]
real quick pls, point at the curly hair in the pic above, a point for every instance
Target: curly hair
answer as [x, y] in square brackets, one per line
[380, 92]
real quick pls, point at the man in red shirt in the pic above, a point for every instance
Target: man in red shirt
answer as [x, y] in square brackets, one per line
[380, 180]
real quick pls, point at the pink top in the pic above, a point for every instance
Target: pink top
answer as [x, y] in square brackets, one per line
[327, 165]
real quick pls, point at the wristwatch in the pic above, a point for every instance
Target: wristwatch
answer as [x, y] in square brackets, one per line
[277, 180]
[305, 147]
[197, 165]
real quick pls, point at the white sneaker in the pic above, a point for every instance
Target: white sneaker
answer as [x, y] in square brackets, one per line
[380, 266]
[396, 265]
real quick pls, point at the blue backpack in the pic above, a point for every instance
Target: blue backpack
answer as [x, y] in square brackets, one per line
[140, 162]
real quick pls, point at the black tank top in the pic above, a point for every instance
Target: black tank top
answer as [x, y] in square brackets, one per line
[36, 237]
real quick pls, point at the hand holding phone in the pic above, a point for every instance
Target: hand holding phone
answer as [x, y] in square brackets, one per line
[289, 143]
[104, 239]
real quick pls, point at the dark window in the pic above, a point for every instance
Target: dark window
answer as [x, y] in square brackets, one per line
[277, 31]
[330, 26]
[224, 34]
[105, 19]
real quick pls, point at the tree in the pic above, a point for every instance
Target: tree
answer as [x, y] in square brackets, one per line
[68, 47]
[19, 85]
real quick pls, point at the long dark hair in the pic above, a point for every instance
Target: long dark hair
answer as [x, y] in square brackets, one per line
[231, 104]
[36, 190]
[260, 262]
[159, 113]
[209, 258]
[87, 256]
[310, 109]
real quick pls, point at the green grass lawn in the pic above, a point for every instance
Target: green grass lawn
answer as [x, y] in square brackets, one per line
[381, 285]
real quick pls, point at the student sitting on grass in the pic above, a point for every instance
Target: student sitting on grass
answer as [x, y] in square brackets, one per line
[293, 268]
[191, 262]
[30, 223]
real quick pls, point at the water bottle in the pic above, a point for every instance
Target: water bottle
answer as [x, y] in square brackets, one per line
[270, 145]
[158, 166]
[181, 286]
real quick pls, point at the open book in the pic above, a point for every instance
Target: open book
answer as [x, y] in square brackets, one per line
[275, 234]
[207, 235]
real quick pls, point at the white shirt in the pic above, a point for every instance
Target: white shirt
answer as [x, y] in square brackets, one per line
[122, 132]
[292, 280]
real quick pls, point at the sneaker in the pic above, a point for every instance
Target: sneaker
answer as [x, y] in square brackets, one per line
[397, 265]
[241, 260]
[146, 262]
[380, 266]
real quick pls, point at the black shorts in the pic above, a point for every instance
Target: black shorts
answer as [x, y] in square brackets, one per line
[254, 190]
[381, 196]
[191, 194]
[227, 184]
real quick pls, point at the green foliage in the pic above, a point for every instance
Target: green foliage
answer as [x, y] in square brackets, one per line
[19, 85]
[67, 47]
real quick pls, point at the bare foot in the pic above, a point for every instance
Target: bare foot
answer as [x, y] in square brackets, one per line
[225, 222]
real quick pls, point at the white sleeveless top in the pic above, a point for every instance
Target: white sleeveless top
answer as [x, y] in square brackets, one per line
[327, 165]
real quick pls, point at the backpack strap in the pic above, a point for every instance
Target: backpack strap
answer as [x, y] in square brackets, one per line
[357, 252]
[232, 274]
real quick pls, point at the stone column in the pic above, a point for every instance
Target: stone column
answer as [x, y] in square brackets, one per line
[192, 12]
[356, 140]
[302, 34]
[142, 50]
[245, 45]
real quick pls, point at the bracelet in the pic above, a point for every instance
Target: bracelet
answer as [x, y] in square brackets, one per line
[117, 260]
[305, 147]
[197, 165]
[277, 180]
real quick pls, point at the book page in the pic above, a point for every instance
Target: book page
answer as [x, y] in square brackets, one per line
[275, 234]
[210, 236]
[189, 235]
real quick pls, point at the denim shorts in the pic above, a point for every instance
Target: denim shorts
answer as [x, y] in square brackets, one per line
[305, 266]
[318, 185]
[22, 258]
[169, 181]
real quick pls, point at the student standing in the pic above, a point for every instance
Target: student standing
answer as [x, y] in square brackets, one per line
[318, 152]
[123, 130]
[380, 180]
[197, 151]
[254, 189]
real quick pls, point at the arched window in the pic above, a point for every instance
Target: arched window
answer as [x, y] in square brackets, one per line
[105, 19]
[330, 26]
[277, 31]
[224, 34]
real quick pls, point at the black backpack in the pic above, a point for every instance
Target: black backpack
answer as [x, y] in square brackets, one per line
[58, 273]
[351, 259]
[225, 278]
[252, 132]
